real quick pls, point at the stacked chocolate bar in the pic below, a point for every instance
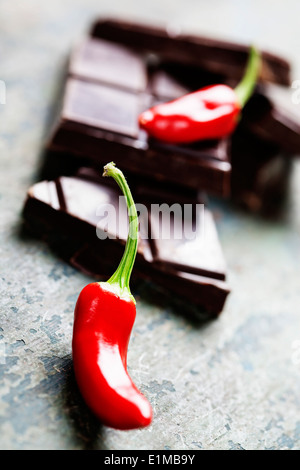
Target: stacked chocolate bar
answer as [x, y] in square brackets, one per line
[118, 71]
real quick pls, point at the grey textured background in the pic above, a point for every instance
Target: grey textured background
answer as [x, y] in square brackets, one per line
[229, 384]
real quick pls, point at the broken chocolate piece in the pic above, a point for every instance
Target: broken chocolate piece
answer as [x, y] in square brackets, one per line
[271, 115]
[260, 173]
[75, 210]
[99, 118]
[102, 107]
[100, 123]
[125, 68]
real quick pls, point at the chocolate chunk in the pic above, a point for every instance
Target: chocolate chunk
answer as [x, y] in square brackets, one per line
[217, 56]
[74, 211]
[260, 173]
[125, 68]
[99, 123]
[204, 292]
[109, 63]
[99, 118]
[102, 107]
[272, 115]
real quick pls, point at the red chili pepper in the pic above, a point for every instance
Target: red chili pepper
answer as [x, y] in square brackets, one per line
[209, 113]
[104, 316]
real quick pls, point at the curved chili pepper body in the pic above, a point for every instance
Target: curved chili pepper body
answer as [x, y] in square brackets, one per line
[103, 319]
[209, 113]
[102, 328]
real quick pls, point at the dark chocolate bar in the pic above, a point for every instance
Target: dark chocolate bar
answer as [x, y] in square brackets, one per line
[214, 55]
[99, 119]
[124, 68]
[71, 211]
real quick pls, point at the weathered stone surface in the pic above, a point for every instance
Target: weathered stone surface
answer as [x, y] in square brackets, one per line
[232, 383]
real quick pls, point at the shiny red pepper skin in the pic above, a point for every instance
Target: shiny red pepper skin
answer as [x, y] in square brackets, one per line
[103, 319]
[209, 113]
[102, 328]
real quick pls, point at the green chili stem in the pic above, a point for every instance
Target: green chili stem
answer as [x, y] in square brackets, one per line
[246, 86]
[121, 277]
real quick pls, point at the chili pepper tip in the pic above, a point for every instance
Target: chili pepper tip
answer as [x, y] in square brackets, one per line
[146, 117]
